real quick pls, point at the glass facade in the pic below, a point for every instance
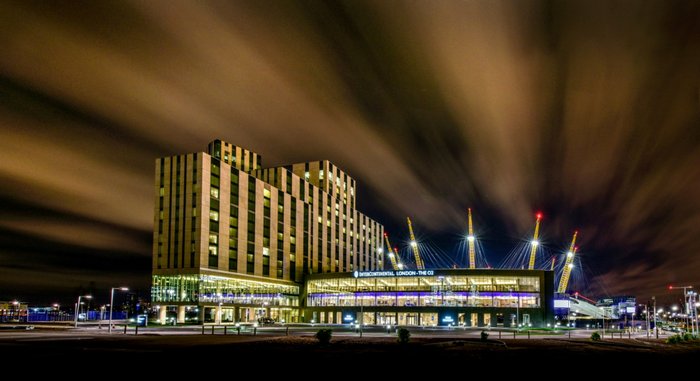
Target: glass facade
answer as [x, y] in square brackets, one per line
[472, 283]
[426, 291]
[216, 289]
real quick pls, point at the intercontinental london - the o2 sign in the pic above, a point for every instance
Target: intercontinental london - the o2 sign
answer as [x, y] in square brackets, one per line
[394, 273]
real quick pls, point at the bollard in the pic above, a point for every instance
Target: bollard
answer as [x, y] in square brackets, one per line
[202, 329]
[255, 331]
[629, 334]
[125, 328]
[528, 334]
[569, 334]
[239, 330]
[514, 334]
[287, 331]
[225, 329]
[212, 329]
[136, 331]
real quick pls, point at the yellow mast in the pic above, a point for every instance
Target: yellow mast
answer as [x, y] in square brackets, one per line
[568, 265]
[392, 256]
[470, 238]
[414, 245]
[534, 242]
[552, 268]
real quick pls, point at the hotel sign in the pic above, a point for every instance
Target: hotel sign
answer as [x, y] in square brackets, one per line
[392, 273]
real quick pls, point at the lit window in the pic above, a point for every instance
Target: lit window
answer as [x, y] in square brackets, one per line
[213, 215]
[266, 251]
[306, 175]
[214, 192]
[213, 250]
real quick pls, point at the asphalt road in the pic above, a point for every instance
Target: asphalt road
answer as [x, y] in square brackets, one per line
[172, 350]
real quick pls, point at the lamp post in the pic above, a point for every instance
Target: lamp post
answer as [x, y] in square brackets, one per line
[111, 305]
[517, 307]
[656, 329]
[77, 305]
[685, 300]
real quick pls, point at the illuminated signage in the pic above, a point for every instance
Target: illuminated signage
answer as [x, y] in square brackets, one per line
[392, 273]
[448, 319]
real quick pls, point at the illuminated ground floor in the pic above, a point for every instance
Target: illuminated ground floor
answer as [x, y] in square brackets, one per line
[211, 297]
[449, 297]
[225, 313]
[466, 317]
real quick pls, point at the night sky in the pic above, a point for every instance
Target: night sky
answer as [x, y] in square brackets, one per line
[586, 110]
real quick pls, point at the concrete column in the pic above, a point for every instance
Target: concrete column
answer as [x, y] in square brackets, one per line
[162, 313]
[201, 314]
[180, 314]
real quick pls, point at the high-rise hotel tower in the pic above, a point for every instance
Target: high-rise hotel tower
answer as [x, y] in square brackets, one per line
[232, 241]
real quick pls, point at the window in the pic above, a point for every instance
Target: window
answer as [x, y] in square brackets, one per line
[214, 192]
[213, 250]
[306, 175]
[213, 215]
[213, 239]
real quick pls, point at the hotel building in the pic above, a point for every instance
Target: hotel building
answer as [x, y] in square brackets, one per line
[233, 241]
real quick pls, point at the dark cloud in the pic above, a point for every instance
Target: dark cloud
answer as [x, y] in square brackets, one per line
[588, 111]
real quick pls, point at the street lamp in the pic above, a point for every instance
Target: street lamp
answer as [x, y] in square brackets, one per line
[685, 300]
[77, 305]
[111, 304]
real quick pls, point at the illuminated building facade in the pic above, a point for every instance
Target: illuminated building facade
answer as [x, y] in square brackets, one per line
[472, 298]
[233, 241]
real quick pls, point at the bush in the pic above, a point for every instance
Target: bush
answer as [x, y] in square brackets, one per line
[403, 335]
[675, 339]
[595, 336]
[484, 335]
[324, 336]
[688, 337]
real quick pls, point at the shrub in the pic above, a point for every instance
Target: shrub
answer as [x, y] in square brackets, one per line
[675, 339]
[688, 337]
[403, 335]
[324, 336]
[595, 336]
[484, 335]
